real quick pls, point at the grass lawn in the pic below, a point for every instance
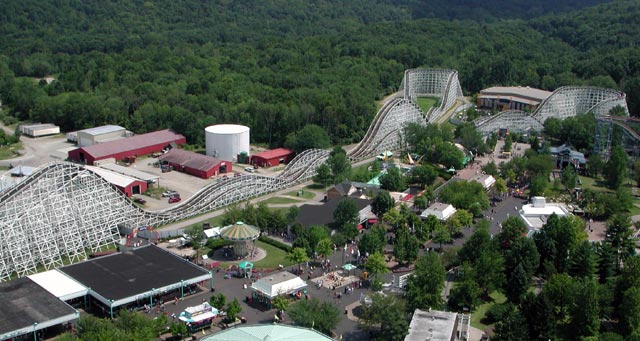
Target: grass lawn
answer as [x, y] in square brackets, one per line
[280, 200]
[305, 194]
[594, 184]
[426, 103]
[274, 257]
[9, 152]
[635, 209]
[481, 310]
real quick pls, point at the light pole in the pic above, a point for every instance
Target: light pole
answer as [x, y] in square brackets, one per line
[344, 251]
[35, 337]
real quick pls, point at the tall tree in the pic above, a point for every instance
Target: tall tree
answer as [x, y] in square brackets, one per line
[517, 284]
[382, 203]
[345, 217]
[405, 246]
[373, 240]
[582, 261]
[385, 318]
[339, 164]
[393, 180]
[585, 318]
[617, 168]
[424, 288]
[323, 175]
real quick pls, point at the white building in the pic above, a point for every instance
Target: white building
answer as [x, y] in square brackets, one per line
[536, 213]
[486, 180]
[437, 326]
[91, 136]
[439, 210]
[39, 129]
[227, 141]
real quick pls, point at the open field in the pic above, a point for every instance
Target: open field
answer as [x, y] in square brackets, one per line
[426, 103]
[481, 310]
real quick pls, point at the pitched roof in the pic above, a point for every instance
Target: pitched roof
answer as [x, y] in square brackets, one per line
[190, 159]
[310, 215]
[132, 143]
[273, 153]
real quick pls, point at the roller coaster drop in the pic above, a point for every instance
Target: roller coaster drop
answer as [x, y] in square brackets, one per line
[63, 211]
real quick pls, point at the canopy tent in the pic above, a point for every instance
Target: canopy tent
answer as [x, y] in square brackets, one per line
[349, 267]
[198, 313]
[279, 284]
[213, 232]
[241, 234]
[246, 268]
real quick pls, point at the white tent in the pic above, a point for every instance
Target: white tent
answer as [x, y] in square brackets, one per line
[59, 284]
[212, 232]
[280, 283]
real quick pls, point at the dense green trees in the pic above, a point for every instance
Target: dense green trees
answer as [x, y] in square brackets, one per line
[424, 288]
[280, 68]
[314, 313]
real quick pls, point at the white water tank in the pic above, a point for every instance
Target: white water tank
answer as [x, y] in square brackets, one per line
[226, 141]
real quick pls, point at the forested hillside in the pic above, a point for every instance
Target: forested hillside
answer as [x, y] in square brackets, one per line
[279, 65]
[491, 10]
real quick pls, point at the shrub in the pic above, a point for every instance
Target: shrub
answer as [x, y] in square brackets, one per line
[217, 243]
[280, 245]
[497, 312]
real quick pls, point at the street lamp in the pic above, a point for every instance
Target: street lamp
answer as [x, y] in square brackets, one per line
[344, 251]
[35, 337]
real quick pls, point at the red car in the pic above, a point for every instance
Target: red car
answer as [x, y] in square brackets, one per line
[174, 199]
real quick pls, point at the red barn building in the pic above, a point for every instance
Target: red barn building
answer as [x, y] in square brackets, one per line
[195, 164]
[125, 148]
[125, 184]
[272, 157]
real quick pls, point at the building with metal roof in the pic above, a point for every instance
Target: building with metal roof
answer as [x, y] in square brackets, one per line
[126, 184]
[272, 157]
[511, 97]
[131, 172]
[263, 332]
[39, 129]
[199, 165]
[130, 147]
[95, 135]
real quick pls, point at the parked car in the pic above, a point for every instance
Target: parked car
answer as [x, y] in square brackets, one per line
[139, 200]
[249, 169]
[169, 194]
[174, 199]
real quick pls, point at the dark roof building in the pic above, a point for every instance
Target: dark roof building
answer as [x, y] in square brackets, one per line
[136, 275]
[130, 147]
[310, 215]
[199, 165]
[272, 157]
[27, 308]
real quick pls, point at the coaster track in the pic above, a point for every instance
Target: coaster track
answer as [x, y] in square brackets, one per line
[63, 211]
[567, 101]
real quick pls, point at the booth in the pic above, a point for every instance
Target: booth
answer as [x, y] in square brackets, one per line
[282, 283]
[198, 317]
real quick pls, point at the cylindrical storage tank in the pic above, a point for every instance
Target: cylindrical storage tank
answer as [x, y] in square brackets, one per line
[226, 141]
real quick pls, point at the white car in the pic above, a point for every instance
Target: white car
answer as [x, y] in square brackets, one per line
[250, 169]
[169, 194]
